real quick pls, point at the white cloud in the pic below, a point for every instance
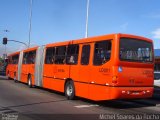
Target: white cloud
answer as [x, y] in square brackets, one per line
[156, 33]
[124, 26]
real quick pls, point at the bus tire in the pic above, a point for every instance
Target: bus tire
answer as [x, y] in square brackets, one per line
[29, 82]
[70, 90]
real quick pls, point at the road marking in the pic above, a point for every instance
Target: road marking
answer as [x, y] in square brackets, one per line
[7, 111]
[3, 109]
[85, 106]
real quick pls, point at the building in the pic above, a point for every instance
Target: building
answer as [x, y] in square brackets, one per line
[157, 59]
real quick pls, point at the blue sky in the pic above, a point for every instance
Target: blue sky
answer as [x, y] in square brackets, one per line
[59, 20]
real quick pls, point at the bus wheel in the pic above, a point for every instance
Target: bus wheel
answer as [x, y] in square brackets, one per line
[30, 82]
[70, 90]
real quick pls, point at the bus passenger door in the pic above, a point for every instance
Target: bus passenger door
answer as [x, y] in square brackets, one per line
[82, 76]
[100, 70]
[24, 69]
[31, 66]
[61, 70]
[48, 74]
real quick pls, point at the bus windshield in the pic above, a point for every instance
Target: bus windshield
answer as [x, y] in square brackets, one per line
[135, 50]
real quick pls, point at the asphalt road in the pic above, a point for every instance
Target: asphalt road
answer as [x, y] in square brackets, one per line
[18, 101]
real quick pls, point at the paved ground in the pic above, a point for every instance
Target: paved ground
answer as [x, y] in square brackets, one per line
[19, 101]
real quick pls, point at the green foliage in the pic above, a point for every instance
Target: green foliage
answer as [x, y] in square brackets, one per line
[1, 60]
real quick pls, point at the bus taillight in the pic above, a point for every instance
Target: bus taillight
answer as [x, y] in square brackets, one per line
[114, 80]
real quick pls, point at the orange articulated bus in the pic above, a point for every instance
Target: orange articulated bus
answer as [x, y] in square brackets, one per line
[115, 66]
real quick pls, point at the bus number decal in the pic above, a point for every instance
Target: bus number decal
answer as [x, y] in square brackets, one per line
[104, 70]
[61, 70]
[148, 73]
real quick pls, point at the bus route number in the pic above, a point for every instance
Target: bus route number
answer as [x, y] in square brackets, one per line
[104, 70]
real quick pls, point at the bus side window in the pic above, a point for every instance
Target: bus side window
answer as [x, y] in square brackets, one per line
[15, 59]
[25, 56]
[31, 57]
[72, 54]
[102, 52]
[85, 55]
[50, 55]
[60, 56]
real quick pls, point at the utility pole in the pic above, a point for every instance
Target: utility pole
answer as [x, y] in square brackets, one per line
[86, 34]
[30, 23]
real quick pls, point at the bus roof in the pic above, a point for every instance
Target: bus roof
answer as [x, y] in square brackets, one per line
[30, 49]
[25, 50]
[87, 40]
[135, 36]
[97, 38]
[15, 53]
